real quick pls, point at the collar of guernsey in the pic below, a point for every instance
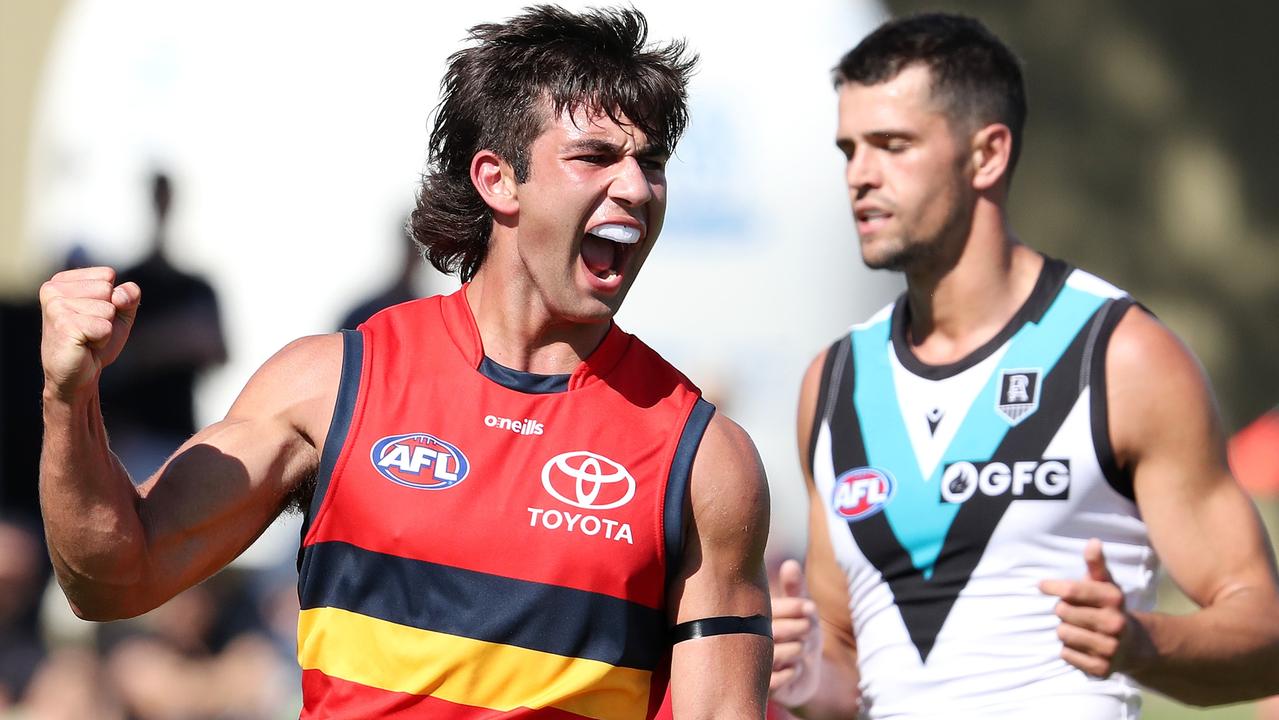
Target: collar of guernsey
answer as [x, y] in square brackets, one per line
[459, 322]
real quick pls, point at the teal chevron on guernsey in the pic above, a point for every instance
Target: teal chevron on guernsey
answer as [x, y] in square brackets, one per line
[917, 517]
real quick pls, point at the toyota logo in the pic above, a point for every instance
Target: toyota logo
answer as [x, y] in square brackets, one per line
[597, 483]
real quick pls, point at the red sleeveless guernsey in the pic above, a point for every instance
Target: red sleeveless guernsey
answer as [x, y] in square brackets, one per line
[484, 543]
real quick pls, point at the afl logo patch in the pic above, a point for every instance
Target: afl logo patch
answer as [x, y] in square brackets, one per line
[862, 492]
[418, 460]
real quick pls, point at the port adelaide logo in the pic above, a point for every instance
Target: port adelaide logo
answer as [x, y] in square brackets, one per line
[862, 492]
[420, 461]
[1018, 394]
[592, 484]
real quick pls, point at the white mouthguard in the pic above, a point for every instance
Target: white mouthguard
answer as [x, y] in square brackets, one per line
[617, 233]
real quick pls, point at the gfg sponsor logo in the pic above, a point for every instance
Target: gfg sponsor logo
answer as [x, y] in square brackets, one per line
[420, 461]
[527, 426]
[588, 481]
[862, 492]
[1024, 480]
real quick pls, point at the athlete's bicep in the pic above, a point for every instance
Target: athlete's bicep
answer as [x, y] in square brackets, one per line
[721, 583]
[1166, 430]
[227, 483]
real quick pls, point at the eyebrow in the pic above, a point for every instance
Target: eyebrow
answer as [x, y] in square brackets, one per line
[875, 136]
[598, 145]
[890, 134]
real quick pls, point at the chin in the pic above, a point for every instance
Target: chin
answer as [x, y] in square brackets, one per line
[592, 310]
[884, 259]
[896, 256]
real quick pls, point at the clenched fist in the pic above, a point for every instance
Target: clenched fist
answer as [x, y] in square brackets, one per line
[86, 319]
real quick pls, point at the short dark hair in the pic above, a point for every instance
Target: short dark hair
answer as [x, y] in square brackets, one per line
[974, 74]
[496, 93]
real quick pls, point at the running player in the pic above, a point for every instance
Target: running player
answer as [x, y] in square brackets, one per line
[512, 507]
[996, 460]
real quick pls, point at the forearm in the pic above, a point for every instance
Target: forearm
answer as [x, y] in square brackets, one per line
[1228, 652]
[90, 508]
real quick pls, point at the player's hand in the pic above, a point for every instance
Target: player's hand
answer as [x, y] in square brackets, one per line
[1096, 630]
[86, 319]
[797, 640]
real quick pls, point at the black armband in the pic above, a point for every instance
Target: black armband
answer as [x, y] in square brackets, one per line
[722, 625]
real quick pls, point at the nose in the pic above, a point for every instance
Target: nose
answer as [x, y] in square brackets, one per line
[862, 171]
[631, 186]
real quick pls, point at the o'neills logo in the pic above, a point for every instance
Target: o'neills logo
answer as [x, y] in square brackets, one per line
[527, 426]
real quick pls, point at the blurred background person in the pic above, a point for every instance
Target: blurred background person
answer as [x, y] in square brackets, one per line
[70, 685]
[402, 288]
[148, 396]
[19, 406]
[23, 572]
[200, 656]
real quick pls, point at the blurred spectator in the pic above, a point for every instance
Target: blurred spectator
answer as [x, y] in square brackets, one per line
[71, 685]
[399, 291]
[201, 656]
[20, 381]
[148, 393]
[23, 571]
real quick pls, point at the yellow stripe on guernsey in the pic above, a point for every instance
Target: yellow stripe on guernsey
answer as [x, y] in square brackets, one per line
[399, 658]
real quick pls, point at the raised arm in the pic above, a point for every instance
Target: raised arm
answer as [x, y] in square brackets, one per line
[815, 658]
[120, 550]
[723, 676]
[1165, 429]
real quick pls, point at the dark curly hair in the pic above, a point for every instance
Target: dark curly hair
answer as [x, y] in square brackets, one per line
[975, 76]
[496, 94]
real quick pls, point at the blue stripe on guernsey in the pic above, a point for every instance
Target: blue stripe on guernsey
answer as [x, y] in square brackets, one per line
[466, 603]
[340, 425]
[917, 516]
[677, 484]
[875, 396]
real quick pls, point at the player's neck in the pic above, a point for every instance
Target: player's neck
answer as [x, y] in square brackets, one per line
[956, 311]
[518, 332]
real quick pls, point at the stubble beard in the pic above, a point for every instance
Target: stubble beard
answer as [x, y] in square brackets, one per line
[904, 255]
[912, 254]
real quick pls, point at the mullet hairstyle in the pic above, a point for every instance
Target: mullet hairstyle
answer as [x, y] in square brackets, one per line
[975, 77]
[496, 95]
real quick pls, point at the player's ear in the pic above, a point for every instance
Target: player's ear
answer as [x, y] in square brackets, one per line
[495, 181]
[991, 153]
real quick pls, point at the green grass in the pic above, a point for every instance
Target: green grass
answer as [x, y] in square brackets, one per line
[1157, 707]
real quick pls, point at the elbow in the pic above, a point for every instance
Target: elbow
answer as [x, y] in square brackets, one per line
[93, 612]
[114, 594]
[101, 603]
[105, 606]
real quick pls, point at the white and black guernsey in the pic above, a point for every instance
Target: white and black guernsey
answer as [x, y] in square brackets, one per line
[951, 491]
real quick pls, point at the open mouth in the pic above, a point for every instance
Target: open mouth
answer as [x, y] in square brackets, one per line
[605, 248]
[871, 220]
